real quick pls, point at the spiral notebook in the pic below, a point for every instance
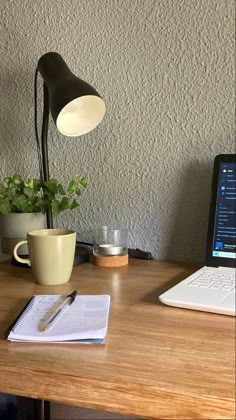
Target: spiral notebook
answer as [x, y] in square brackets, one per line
[85, 321]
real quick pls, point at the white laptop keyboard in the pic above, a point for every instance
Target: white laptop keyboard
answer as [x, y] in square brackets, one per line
[213, 279]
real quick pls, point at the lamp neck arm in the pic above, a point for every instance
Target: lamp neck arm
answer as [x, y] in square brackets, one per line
[44, 136]
[44, 143]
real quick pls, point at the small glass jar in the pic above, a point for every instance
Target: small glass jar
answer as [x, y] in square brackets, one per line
[108, 242]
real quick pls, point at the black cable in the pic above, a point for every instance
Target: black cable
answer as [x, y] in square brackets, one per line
[36, 126]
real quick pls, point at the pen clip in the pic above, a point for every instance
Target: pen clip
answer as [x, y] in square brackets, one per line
[59, 309]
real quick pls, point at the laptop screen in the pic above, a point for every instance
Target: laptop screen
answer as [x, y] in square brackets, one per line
[221, 244]
[224, 241]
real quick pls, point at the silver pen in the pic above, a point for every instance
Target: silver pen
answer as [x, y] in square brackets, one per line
[50, 321]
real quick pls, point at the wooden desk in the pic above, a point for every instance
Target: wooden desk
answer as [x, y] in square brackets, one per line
[158, 362]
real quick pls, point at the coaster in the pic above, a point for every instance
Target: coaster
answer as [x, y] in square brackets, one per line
[113, 261]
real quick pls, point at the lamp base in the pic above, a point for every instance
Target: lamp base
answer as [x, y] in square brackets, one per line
[81, 256]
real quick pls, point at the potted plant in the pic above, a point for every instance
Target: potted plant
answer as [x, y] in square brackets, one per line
[24, 202]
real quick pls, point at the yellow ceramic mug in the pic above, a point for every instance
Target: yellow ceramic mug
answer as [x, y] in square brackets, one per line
[51, 255]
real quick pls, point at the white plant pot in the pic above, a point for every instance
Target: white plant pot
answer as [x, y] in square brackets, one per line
[14, 228]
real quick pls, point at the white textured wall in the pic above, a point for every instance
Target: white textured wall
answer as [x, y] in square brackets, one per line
[166, 71]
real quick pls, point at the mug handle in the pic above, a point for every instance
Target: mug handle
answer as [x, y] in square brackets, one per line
[21, 260]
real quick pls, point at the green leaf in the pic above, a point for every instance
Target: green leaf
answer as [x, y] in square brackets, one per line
[29, 192]
[12, 192]
[60, 189]
[64, 204]
[83, 181]
[20, 202]
[28, 207]
[2, 189]
[5, 207]
[71, 186]
[41, 205]
[51, 185]
[48, 195]
[78, 192]
[76, 183]
[16, 180]
[37, 184]
[73, 205]
[56, 207]
[29, 183]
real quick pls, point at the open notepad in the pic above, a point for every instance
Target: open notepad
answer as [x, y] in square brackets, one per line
[85, 321]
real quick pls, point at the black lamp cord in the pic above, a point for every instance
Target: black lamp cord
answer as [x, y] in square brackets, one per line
[36, 125]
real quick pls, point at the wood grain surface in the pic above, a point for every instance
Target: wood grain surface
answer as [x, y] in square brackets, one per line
[158, 362]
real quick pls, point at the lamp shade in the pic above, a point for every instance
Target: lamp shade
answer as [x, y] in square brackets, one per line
[76, 107]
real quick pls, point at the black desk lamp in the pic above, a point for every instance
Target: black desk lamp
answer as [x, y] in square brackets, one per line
[76, 109]
[75, 106]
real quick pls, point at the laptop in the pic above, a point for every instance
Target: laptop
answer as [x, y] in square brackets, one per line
[212, 288]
